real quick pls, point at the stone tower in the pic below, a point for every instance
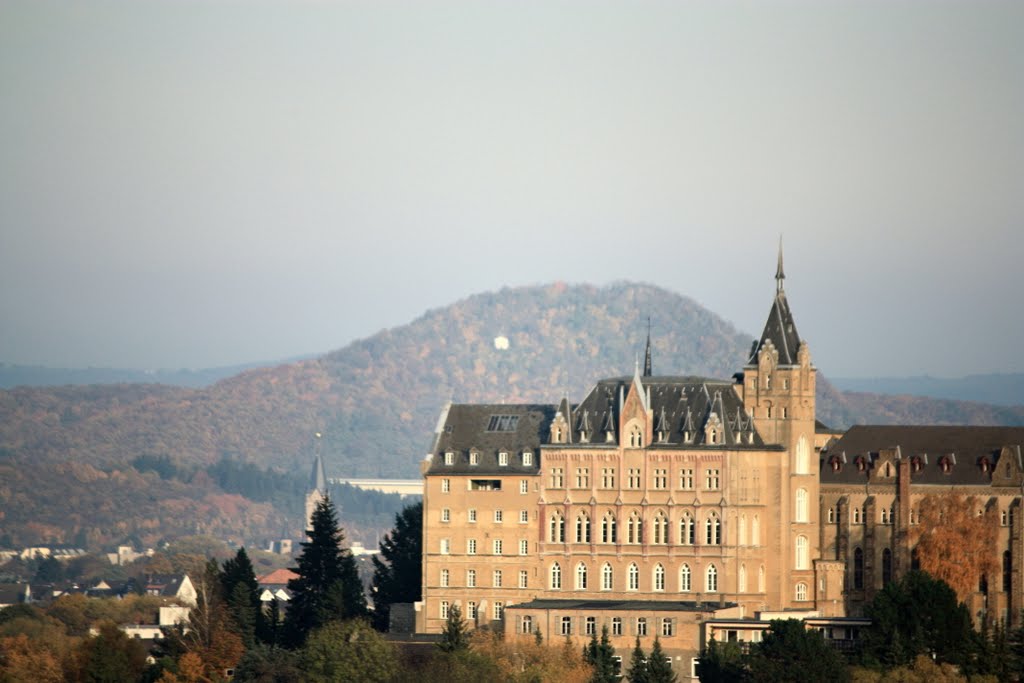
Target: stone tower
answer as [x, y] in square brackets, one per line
[317, 485]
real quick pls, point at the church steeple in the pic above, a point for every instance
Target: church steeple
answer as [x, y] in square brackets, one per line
[780, 274]
[647, 353]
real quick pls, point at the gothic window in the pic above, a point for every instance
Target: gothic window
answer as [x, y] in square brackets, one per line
[856, 515]
[581, 576]
[760, 579]
[684, 579]
[659, 577]
[636, 439]
[634, 578]
[742, 581]
[556, 529]
[608, 534]
[713, 530]
[686, 529]
[831, 515]
[582, 528]
[755, 531]
[711, 579]
[858, 569]
[743, 530]
[606, 577]
[801, 505]
[634, 529]
[802, 455]
[802, 561]
[660, 528]
[556, 576]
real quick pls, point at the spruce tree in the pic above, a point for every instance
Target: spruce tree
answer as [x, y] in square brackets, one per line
[242, 594]
[601, 656]
[397, 575]
[637, 665]
[659, 668]
[328, 586]
[455, 636]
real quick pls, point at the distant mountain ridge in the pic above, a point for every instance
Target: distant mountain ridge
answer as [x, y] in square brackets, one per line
[376, 401]
[1003, 389]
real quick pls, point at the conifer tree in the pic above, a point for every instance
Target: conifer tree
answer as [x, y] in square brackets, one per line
[242, 594]
[637, 665]
[455, 636]
[601, 656]
[659, 668]
[328, 586]
[397, 577]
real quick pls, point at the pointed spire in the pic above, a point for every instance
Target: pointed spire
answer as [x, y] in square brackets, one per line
[780, 274]
[647, 353]
[318, 480]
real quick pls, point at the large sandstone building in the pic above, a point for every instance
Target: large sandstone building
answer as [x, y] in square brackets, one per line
[680, 507]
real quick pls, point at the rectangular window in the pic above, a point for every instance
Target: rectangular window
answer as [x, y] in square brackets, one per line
[444, 609]
[446, 546]
[446, 485]
[498, 516]
[524, 547]
[524, 486]
[446, 515]
[660, 478]
[445, 578]
[497, 546]
[607, 477]
[449, 458]
[557, 478]
[566, 626]
[496, 578]
[666, 626]
[499, 610]
[686, 479]
[524, 578]
[502, 459]
[471, 610]
[616, 626]
[641, 626]
[471, 546]
[474, 458]
[471, 514]
[711, 479]
[634, 477]
[527, 459]
[471, 578]
[591, 626]
[527, 625]
[524, 516]
[485, 484]
[582, 477]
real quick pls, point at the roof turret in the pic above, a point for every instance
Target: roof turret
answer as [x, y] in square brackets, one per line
[780, 329]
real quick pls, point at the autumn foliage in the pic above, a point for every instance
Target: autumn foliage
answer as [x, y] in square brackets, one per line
[955, 540]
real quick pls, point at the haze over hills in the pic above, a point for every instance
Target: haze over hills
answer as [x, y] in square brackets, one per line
[375, 401]
[1004, 389]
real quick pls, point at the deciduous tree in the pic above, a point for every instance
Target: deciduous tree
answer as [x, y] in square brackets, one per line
[348, 651]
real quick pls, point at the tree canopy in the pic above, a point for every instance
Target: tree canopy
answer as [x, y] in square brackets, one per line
[397, 575]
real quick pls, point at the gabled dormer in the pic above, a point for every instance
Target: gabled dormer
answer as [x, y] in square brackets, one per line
[1008, 467]
[636, 419]
[561, 430]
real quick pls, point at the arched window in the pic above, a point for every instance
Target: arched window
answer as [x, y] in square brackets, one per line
[711, 579]
[801, 592]
[634, 529]
[581, 576]
[608, 534]
[660, 528]
[802, 455]
[686, 529]
[743, 530]
[684, 579]
[801, 552]
[801, 505]
[606, 577]
[755, 531]
[582, 528]
[760, 579]
[831, 515]
[858, 568]
[636, 438]
[856, 515]
[659, 577]
[556, 576]
[556, 529]
[886, 566]
[713, 530]
[634, 578]
[742, 581]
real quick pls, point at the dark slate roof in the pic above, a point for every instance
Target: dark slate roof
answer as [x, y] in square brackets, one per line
[967, 445]
[464, 428]
[317, 479]
[687, 404]
[780, 330]
[624, 605]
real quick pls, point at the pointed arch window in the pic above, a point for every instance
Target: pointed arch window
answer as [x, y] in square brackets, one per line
[659, 577]
[581, 576]
[742, 530]
[685, 579]
[801, 505]
[755, 531]
[802, 553]
[634, 577]
[556, 528]
[582, 528]
[636, 437]
[556, 576]
[634, 529]
[713, 530]
[608, 533]
[660, 528]
[760, 579]
[802, 454]
[606, 577]
[742, 581]
[687, 529]
[711, 579]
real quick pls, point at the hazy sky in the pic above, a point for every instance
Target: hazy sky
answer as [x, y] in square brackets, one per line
[200, 184]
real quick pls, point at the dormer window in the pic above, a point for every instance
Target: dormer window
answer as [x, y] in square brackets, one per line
[609, 436]
[946, 463]
[713, 436]
[917, 463]
[449, 458]
[636, 439]
[474, 458]
[836, 462]
[861, 462]
[527, 459]
[503, 459]
[687, 437]
[986, 465]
